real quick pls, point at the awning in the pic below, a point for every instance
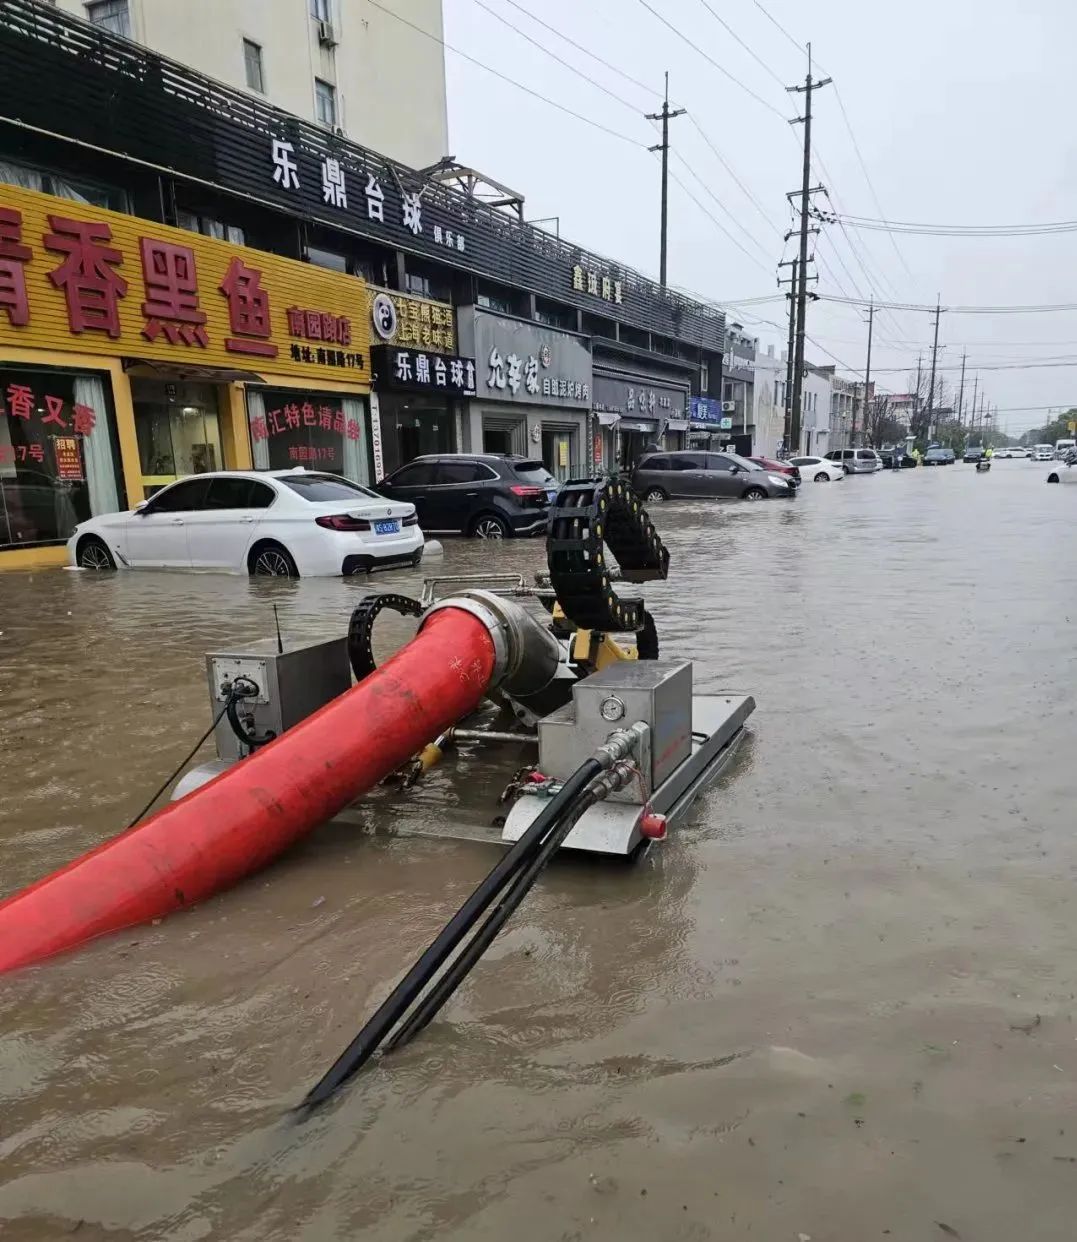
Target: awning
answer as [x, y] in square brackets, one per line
[608, 420]
[191, 371]
[638, 424]
[677, 424]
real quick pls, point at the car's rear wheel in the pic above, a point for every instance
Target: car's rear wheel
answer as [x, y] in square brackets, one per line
[655, 495]
[489, 526]
[271, 560]
[822, 477]
[755, 493]
[93, 553]
[1053, 478]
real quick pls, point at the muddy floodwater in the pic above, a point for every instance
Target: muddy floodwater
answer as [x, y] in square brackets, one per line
[837, 1005]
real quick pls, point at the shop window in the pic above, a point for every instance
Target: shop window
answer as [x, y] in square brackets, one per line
[178, 430]
[28, 177]
[555, 316]
[325, 431]
[110, 15]
[494, 302]
[206, 225]
[252, 65]
[414, 425]
[327, 258]
[57, 455]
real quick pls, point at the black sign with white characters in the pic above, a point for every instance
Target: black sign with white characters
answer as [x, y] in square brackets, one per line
[413, 370]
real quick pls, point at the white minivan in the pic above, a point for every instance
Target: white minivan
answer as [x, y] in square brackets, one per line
[1043, 452]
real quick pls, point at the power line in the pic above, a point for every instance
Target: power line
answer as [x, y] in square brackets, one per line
[706, 56]
[721, 160]
[717, 223]
[626, 104]
[1037, 309]
[959, 230]
[505, 78]
[774, 22]
[714, 197]
[572, 68]
[651, 90]
[736, 37]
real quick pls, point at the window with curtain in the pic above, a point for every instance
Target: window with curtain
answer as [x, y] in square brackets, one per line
[322, 431]
[58, 463]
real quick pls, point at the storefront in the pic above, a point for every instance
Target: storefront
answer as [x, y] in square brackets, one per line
[633, 413]
[709, 425]
[132, 354]
[419, 380]
[533, 391]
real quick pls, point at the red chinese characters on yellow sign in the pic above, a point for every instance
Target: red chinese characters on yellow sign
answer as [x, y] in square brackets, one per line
[79, 277]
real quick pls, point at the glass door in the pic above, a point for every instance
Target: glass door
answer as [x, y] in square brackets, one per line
[178, 430]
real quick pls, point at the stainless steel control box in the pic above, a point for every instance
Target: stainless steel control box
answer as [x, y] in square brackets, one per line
[292, 684]
[656, 692]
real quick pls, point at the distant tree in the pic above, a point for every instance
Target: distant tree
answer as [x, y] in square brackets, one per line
[1057, 429]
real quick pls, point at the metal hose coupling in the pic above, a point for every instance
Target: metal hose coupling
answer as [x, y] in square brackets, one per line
[620, 744]
[526, 655]
[610, 782]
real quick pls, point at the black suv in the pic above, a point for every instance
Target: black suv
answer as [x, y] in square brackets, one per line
[489, 495]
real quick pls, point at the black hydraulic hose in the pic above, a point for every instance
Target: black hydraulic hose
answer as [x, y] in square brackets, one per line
[433, 1001]
[396, 1004]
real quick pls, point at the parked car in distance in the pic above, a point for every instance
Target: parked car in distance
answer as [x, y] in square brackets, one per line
[276, 523]
[1043, 452]
[486, 495]
[974, 452]
[856, 461]
[1063, 447]
[688, 473]
[818, 469]
[939, 457]
[787, 468]
[905, 460]
[1066, 470]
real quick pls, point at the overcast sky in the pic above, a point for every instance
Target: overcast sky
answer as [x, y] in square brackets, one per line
[962, 111]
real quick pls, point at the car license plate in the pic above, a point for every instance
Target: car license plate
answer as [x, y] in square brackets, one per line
[385, 528]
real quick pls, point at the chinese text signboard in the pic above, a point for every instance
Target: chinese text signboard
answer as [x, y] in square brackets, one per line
[414, 370]
[76, 277]
[526, 363]
[415, 323]
[706, 413]
[43, 429]
[297, 431]
[639, 397]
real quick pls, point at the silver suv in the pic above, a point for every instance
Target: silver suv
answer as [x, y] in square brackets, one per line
[856, 461]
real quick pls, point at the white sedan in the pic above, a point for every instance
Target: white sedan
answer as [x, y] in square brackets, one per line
[278, 523]
[1064, 471]
[818, 469]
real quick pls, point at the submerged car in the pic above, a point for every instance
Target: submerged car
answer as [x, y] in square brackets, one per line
[1065, 471]
[789, 469]
[484, 495]
[662, 476]
[277, 523]
[974, 453]
[818, 469]
[939, 457]
[856, 461]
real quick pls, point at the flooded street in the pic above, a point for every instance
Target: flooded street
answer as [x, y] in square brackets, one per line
[838, 1005]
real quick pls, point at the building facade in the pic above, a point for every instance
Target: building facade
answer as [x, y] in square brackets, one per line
[337, 63]
[166, 185]
[769, 416]
[844, 408]
[738, 380]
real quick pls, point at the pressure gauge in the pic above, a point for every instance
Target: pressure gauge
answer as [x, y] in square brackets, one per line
[612, 709]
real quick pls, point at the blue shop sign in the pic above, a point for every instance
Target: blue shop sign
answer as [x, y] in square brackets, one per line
[706, 412]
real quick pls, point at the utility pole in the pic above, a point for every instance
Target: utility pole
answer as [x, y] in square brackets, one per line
[972, 415]
[802, 287]
[788, 402]
[934, 359]
[915, 428]
[961, 391]
[664, 116]
[867, 375]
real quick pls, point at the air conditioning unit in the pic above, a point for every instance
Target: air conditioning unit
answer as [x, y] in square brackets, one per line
[729, 407]
[327, 36]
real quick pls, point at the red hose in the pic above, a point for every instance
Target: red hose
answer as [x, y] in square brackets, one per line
[248, 815]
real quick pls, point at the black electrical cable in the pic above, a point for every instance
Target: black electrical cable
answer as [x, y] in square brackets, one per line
[393, 1008]
[443, 990]
[193, 751]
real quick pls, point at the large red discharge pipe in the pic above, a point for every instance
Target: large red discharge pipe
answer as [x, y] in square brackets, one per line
[249, 814]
